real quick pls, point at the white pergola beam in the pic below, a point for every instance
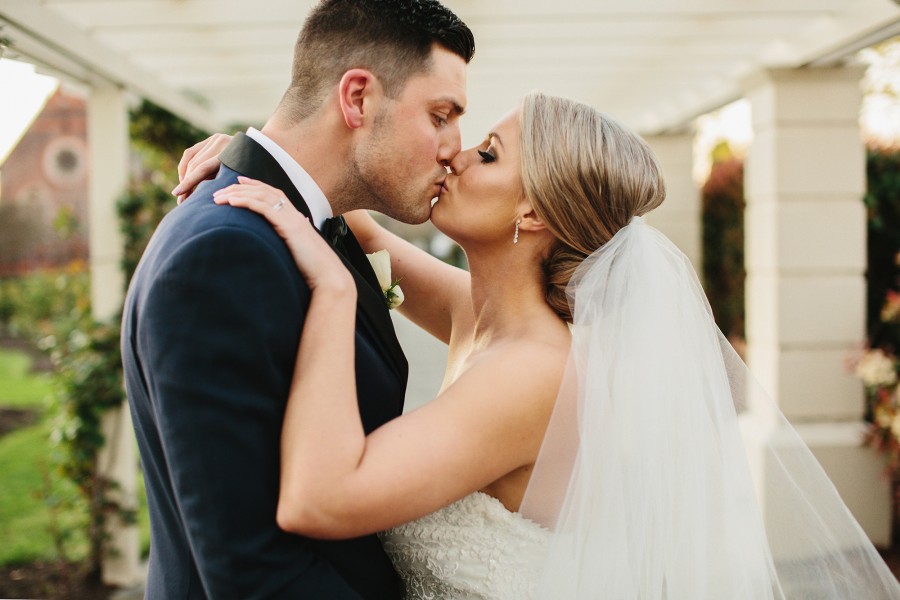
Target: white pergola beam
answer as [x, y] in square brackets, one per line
[34, 27]
[201, 37]
[871, 20]
[655, 63]
[100, 14]
[103, 13]
[513, 10]
[829, 40]
[596, 54]
[198, 38]
[632, 33]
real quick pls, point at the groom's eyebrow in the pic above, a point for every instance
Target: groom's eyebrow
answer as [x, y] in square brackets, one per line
[455, 107]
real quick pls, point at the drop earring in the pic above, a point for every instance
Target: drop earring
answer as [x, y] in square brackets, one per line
[516, 237]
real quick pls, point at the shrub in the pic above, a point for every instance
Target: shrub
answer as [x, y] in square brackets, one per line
[723, 245]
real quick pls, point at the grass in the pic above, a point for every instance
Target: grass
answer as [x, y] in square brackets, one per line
[26, 491]
[24, 458]
[19, 388]
[25, 516]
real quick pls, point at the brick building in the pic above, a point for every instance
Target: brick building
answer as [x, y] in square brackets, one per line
[44, 190]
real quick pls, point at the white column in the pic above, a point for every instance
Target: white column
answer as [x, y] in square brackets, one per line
[679, 216]
[109, 163]
[107, 129]
[806, 259]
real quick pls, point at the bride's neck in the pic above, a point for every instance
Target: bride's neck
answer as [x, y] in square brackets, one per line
[507, 296]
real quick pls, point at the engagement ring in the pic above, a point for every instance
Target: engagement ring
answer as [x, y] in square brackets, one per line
[278, 205]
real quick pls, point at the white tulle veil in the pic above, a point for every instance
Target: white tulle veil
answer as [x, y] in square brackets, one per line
[643, 476]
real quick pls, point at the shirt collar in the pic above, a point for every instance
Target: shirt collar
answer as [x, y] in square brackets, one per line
[319, 207]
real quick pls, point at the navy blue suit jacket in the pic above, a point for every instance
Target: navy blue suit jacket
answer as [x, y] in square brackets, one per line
[210, 333]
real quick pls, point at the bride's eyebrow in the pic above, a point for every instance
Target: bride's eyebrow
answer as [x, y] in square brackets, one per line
[496, 137]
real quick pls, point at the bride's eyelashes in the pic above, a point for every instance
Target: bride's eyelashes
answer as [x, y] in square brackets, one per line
[486, 157]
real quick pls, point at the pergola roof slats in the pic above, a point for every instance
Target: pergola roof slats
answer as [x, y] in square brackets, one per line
[656, 64]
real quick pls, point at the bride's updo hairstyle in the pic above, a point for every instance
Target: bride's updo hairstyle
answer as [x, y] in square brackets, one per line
[586, 176]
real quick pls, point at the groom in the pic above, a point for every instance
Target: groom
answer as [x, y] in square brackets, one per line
[216, 308]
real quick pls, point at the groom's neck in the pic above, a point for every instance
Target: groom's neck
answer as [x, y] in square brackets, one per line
[317, 146]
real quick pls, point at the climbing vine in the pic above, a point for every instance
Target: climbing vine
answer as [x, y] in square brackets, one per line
[86, 352]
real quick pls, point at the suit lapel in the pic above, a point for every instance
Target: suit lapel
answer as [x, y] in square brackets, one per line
[371, 301]
[252, 160]
[248, 158]
[357, 257]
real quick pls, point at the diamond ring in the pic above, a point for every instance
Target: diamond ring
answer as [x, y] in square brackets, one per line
[278, 205]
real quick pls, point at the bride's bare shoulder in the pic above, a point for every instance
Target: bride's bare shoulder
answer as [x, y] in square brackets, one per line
[548, 340]
[535, 361]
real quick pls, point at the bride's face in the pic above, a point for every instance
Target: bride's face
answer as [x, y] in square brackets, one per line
[477, 204]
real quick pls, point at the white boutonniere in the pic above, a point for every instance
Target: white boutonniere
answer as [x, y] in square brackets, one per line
[381, 264]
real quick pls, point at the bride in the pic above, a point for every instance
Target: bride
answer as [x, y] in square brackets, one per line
[585, 442]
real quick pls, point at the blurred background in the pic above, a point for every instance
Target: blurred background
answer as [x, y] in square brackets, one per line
[777, 123]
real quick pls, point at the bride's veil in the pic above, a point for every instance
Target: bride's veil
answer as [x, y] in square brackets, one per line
[643, 476]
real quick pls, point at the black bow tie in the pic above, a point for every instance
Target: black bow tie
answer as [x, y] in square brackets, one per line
[334, 230]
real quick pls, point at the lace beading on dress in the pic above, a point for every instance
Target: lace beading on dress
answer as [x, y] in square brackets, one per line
[472, 549]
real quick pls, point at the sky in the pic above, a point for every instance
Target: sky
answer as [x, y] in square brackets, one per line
[881, 107]
[18, 109]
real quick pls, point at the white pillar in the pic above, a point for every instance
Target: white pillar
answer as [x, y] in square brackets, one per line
[679, 216]
[107, 129]
[806, 259]
[109, 163]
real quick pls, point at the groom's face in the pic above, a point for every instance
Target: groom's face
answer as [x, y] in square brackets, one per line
[413, 139]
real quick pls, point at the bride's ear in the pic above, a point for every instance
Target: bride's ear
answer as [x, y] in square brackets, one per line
[529, 219]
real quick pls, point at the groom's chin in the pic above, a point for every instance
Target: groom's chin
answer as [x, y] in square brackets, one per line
[422, 217]
[413, 217]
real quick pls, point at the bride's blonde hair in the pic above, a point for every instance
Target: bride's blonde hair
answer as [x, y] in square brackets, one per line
[586, 176]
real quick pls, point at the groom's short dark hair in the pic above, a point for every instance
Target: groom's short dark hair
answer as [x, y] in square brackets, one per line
[391, 38]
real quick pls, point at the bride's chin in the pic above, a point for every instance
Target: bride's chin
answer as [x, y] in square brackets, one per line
[440, 224]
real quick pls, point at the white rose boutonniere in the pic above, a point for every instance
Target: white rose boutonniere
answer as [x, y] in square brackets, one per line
[381, 264]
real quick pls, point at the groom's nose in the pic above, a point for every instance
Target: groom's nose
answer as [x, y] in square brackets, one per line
[450, 145]
[459, 162]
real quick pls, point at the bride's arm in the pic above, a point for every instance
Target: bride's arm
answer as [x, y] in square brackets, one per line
[435, 293]
[489, 423]
[338, 483]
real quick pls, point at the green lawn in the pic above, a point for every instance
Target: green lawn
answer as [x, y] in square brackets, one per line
[18, 387]
[25, 515]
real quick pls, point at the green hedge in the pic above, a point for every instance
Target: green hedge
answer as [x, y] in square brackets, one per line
[723, 245]
[883, 205]
[45, 301]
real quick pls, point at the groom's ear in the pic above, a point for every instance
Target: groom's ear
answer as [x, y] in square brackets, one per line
[355, 94]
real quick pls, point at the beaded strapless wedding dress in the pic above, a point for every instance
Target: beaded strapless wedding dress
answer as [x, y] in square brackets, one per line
[473, 549]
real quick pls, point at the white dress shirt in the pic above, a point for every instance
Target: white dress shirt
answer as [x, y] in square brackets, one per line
[319, 207]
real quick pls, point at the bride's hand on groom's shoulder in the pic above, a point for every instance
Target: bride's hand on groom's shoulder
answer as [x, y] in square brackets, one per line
[198, 163]
[316, 260]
